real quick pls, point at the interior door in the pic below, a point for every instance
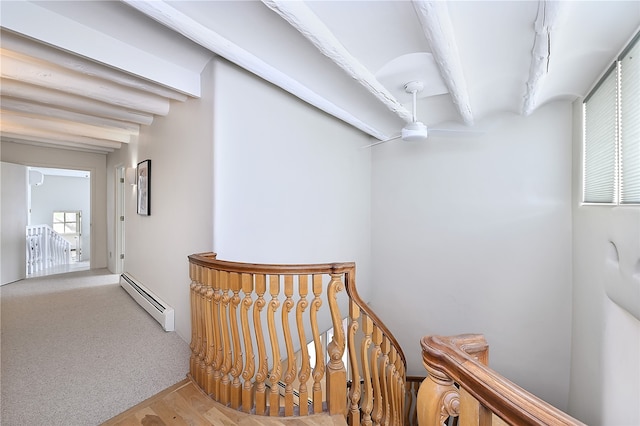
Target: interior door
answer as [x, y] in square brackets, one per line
[120, 198]
[13, 214]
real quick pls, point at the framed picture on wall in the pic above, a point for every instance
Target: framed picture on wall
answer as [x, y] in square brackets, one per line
[143, 180]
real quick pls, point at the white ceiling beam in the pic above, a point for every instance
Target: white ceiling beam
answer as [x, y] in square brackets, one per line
[299, 16]
[206, 37]
[549, 14]
[24, 68]
[30, 132]
[19, 90]
[75, 63]
[21, 106]
[64, 126]
[39, 23]
[50, 143]
[438, 30]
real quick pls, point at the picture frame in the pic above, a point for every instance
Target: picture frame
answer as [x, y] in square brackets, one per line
[143, 181]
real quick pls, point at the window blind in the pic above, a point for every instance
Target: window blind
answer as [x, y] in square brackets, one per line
[600, 141]
[630, 125]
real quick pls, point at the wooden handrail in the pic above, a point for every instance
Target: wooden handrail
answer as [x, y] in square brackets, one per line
[250, 334]
[461, 360]
[210, 260]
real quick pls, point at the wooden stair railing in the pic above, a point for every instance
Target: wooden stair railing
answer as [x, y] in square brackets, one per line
[411, 400]
[253, 326]
[459, 383]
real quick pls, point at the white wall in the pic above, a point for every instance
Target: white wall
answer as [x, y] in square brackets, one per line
[605, 373]
[473, 235]
[156, 248]
[30, 155]
[63, 193]
[291, 184]
[13, 220]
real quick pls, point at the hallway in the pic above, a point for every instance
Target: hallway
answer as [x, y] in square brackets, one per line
[77, 350]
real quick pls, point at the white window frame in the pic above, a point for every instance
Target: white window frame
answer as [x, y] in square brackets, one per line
[619, 162]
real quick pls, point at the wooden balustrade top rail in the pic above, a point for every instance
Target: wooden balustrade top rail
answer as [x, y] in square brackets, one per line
[210, 260]
[461, 359]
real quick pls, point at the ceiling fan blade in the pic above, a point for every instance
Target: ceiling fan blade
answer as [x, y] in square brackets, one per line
[436, 132]
[383, 141]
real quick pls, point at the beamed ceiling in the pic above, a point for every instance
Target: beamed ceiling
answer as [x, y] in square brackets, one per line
[87, 75]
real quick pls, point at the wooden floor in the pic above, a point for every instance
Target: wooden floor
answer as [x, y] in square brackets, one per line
[185, 404]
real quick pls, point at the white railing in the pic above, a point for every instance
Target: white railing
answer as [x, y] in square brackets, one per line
[46, 248]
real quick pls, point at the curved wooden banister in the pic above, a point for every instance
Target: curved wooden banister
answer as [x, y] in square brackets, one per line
[353, 294]
[250, 340]
[210, 260]
[460, 360]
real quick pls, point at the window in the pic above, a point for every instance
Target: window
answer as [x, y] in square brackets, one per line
[611, 167]
[69, 225]
[630, 125]
[66, 222]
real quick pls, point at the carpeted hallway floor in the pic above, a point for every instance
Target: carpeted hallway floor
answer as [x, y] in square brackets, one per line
[77, 350]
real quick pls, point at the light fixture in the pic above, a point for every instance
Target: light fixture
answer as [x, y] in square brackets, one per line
[36, 178]
[130, 175]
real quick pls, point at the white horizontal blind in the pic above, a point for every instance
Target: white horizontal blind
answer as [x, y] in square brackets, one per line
[600, 141]
[630, 125]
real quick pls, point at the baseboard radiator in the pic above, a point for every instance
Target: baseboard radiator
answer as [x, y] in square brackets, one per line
[151, 303]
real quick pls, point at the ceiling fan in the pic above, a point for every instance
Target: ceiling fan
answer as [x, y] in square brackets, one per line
[415, 130]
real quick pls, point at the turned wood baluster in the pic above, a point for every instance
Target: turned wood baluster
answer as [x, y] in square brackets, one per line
[261, 375]
[376, 415]
[353, 418]
[249, 368]
[437, 398]
[392, 380]
[290, 374]
[318, 371]
[410, 415]
[209, 326]
[402, 384]
[236, 369]
[276, 371]
[193, 360]
[305, 367]
[225, 368]
[386, 383]
[217, 335]
[367, 397]
[198, 329]
[336, 371]
[471, 411]
[202, 304]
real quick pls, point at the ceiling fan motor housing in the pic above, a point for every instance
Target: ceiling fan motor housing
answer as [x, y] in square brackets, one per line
[415, 131]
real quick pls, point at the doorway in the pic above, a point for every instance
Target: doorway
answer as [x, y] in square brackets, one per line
[58, 231]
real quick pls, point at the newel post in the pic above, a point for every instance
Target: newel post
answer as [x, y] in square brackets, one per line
[437, 398]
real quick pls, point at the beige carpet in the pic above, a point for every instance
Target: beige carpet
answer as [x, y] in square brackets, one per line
[77, 350]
